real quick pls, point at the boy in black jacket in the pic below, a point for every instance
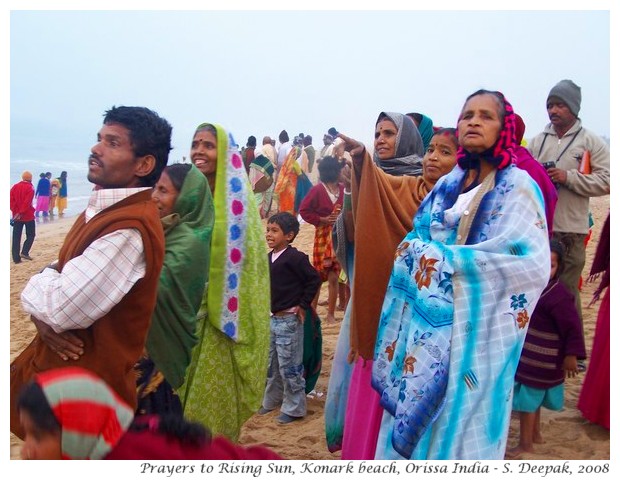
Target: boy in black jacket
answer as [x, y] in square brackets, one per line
[294, 283]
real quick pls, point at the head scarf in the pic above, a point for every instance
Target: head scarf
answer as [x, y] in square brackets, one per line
[426, 130]
[93, 418]
[237, 247]
[409, 147]
[501, 153]
[183, 276]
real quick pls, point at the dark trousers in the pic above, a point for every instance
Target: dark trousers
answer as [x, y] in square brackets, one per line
[574, 261]
[18, 227]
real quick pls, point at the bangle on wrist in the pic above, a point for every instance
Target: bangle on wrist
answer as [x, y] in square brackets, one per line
[347, 202]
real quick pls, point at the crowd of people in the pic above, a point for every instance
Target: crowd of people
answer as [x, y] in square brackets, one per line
[179, 304]
[50, 194]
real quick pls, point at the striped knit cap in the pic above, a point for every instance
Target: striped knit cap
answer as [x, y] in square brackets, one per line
[93, 418]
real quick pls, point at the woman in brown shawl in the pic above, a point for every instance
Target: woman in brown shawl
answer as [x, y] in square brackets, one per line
[381, 208]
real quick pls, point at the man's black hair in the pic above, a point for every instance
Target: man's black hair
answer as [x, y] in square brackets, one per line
[150, 134]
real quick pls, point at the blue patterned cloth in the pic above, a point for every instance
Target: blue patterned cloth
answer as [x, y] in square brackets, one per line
[454, 319]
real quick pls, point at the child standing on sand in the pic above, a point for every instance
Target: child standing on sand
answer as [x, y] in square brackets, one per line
[294, 283]
[321, 208]
[552, 346]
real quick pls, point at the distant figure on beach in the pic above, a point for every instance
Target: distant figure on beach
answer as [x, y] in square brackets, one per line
[321, 208]
[270, 151]
[93, 307]
[283, 149]
[286, 183]
[248, 152]
[261, 176]
[310, 152]
[22, 211]
[327, 149]
[54, 189]
[304, 184]
[42, 194]
[61, 201]
[562, 147]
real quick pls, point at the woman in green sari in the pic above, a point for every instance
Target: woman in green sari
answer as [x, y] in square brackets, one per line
[226, 378]
[186, 210]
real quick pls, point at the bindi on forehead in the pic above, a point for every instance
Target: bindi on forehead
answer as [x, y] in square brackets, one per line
[386, 126]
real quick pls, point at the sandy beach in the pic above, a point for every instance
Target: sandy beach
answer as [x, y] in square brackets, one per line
[567, 435]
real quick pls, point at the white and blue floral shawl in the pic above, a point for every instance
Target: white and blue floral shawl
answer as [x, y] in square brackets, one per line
[455, 315]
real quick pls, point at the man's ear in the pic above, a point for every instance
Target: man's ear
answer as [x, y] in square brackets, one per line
[145, 165]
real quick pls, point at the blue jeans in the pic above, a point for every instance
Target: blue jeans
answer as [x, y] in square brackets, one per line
[286, 385]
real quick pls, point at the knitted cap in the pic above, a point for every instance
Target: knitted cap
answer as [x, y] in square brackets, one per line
[92, 416]
[27, 176]
[569, 93]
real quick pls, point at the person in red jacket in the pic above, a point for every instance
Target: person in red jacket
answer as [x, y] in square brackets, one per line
[22, 211]
[72, 414]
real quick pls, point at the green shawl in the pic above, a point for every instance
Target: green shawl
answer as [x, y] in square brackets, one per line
[182, 280]
[226, 378]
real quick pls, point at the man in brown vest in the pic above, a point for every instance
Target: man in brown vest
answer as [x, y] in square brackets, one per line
[92, 308]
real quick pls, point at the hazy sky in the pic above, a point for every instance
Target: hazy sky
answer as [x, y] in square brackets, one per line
[258, 72]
